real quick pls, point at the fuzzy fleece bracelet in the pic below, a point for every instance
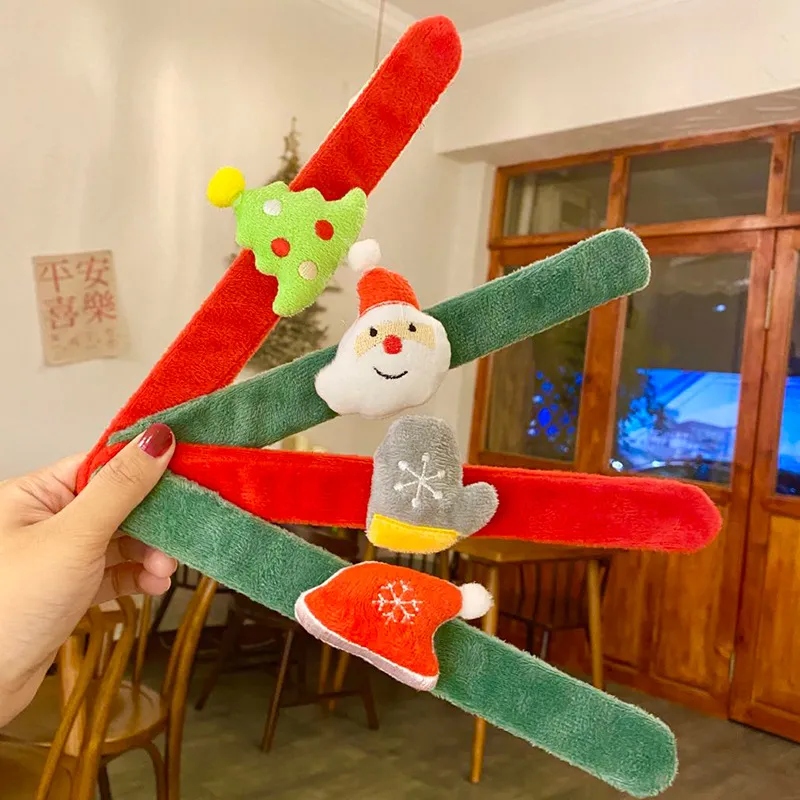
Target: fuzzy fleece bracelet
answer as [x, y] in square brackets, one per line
[216, 508]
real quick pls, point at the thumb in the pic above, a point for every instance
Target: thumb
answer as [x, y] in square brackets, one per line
[99, 510]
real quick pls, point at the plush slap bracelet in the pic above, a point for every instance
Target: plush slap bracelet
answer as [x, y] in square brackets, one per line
[284, 401]
[619, 743]
[583, 510]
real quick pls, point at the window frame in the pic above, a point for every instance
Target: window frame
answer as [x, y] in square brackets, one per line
[597, 416]
[775, 215]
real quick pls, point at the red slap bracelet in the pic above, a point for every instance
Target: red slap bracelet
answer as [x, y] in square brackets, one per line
[570, 508]
[215, 509]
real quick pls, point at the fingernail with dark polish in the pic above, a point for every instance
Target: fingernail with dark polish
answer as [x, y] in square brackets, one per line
[156, 440]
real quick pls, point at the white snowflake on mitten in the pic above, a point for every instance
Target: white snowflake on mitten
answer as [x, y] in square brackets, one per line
[421, 481]
[397, 602]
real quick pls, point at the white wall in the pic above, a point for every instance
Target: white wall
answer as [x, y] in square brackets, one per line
[467, 268]
[115, 116]
[678, 56]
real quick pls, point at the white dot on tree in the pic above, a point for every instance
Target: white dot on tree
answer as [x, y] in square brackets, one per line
[308, 270]
[273, 208]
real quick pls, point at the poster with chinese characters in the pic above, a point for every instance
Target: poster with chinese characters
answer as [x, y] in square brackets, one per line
[78, 309]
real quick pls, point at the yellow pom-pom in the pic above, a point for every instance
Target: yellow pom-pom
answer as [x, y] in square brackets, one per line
[225, 187]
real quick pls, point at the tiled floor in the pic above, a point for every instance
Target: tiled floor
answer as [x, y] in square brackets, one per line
[422, 752]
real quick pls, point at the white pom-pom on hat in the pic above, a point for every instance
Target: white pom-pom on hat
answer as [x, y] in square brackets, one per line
[364, 255]
[475, 601]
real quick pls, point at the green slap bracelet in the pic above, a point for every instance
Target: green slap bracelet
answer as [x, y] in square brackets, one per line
[618, 743]
[282, 402]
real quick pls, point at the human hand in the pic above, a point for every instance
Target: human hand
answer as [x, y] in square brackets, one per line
[60, 554]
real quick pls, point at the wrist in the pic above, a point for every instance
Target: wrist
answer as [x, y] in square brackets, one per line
[11, 704]
[15, 696]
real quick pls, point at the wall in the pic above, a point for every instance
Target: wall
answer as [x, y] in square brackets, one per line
[466, 268]
[115, 116]
[639, 70]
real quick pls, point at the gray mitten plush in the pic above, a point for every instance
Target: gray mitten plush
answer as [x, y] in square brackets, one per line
[419, 503]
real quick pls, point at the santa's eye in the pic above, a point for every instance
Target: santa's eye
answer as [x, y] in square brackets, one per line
[373, 331]
[412, 328]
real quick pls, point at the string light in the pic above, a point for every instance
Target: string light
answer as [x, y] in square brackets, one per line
[379, 36]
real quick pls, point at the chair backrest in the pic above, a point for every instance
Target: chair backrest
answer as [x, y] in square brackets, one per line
[344, 546]
[181, 658]
[90, 655]
[298, 443]
[422, 562]
[145, 613]
[334, 540]
[557, 592]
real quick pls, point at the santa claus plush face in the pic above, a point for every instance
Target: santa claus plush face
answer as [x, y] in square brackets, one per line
[392, 358]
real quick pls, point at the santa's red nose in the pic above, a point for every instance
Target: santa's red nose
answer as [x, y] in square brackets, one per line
[392, 344]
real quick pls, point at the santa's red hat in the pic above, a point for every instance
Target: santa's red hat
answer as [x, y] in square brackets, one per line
[378, 285]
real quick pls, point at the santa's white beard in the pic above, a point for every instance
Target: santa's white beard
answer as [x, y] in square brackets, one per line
[379, 384]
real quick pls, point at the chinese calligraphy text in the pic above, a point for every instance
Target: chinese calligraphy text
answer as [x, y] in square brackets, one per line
[78, 308]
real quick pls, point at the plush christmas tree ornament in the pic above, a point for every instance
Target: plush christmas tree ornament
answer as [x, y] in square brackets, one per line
[388, 616]
[418, 502]
[299, 237]
[392, 358]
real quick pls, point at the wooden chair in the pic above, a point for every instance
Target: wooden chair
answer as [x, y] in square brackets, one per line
[555, 598]
[55, 764]
[581, 606]
[184, 579]
[292, 651]
[121, 715]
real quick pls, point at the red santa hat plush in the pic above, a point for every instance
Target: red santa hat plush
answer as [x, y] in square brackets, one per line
[394, 356]
[388, 615]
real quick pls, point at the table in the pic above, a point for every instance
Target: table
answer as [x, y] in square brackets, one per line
[494, 553]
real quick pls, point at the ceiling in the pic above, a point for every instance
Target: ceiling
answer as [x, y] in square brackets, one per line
[468, 14]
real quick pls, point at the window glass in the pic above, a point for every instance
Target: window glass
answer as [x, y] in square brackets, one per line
[678, 399]
[702, 183]
[573, 198]
[535, 393]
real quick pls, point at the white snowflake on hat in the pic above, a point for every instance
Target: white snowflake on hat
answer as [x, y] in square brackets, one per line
[394, 356]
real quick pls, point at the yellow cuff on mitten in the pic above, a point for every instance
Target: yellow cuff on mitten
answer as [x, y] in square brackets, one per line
[403, 537]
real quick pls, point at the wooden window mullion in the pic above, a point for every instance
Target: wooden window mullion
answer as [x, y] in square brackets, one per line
[780, 173]
[596, 420]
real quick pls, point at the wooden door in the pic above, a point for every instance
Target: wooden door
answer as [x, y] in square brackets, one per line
[766, 687]
[670, 621]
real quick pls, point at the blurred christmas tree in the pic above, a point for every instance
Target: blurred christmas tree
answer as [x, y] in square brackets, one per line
[303, 333]
[290, 160]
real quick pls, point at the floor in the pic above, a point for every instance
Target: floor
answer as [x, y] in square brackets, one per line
[422, 752]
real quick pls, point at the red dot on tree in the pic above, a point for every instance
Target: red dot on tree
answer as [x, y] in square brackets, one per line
[281, 247]
[324, 229]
